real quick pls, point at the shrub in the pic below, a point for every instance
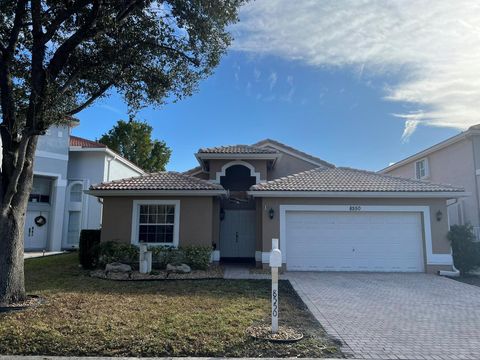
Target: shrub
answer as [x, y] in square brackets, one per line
[111, 251]
[466, 251]
[197, 257]
[163, 255]
[89, 240]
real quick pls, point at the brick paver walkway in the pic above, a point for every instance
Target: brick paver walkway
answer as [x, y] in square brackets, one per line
[395, 316]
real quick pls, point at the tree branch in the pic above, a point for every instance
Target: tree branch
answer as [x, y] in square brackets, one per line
[127, 10]
[6, 88]
[37, 70]
[54, 25]
[191, 59]
[20, 12]
[92, 98]
[18, 168]
[64, 51]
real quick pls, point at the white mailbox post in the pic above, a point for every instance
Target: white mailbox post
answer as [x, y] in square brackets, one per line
[275, 263]
[145, 266]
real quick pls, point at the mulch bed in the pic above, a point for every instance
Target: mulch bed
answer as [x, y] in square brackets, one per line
[284, 334]
[213, 272]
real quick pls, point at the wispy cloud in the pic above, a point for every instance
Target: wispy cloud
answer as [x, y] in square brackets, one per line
[288, 97]
[272, 80]
[112, 109]
[432, 48]
[257, 74]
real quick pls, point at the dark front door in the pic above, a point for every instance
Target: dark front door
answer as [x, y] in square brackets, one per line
[237, 234]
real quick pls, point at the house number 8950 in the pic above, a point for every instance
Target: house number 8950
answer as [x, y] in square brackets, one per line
[355, 208]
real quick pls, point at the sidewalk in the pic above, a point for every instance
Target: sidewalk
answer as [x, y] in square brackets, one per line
[37, 254]
[20, 357]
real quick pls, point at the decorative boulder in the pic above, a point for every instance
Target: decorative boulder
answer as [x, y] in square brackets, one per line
[182, 268]
[118, 268]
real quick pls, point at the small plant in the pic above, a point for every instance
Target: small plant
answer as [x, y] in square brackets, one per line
[197, 257]
[111, 251]
[163, 255]
[466, 251]
[87, 252]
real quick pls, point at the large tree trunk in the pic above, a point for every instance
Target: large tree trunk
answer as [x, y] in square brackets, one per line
[12, 223]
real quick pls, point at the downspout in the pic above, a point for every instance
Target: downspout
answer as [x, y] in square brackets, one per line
[450, 273]
[455, 272]
[108, 168]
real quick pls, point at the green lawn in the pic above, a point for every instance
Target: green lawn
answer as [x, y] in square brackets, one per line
[87, 316]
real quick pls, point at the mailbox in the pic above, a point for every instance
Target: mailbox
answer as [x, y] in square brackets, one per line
[275, 263]
[276, 258]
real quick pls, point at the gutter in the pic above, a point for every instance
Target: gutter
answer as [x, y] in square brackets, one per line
[107, 193]
[359, 194]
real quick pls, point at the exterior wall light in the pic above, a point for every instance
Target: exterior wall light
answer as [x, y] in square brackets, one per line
[271, 212]
[222, 214]
[439, 215]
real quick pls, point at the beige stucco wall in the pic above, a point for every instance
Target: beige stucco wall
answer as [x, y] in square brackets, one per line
[216, 222]
[439, 229]
[451, 165]
[288, 165]
[196, 222]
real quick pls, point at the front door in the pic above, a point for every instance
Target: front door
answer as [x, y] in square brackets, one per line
[237, 234]
[35, 236]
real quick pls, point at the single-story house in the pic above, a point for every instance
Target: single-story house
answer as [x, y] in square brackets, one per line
[327, 218]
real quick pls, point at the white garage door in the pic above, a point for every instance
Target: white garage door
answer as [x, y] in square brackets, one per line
[354, 241]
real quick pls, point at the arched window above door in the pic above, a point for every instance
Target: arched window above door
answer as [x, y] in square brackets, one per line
[237, 178]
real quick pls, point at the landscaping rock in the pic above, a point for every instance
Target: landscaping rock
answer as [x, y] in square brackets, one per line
[118, 268]
[181, 269]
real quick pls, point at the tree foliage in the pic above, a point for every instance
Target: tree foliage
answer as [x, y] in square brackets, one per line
[465, 248]
[133, 140]
[58, 57]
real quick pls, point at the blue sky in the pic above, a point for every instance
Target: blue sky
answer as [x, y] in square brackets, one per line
[322, 100]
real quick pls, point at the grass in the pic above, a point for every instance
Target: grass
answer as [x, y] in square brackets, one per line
[85, 316]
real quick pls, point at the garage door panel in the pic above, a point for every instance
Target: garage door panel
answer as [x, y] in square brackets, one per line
[346, 241]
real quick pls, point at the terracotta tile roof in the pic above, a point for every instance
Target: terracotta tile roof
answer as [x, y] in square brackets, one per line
[166, 180]
[237, 149]
[84, 143]
[349, 180]
[264, 145]
[194, 170]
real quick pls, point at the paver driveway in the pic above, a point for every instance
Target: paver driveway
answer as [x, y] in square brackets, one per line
[395, 316]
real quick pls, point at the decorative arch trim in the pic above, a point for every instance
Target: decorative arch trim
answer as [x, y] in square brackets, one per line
[253, 173]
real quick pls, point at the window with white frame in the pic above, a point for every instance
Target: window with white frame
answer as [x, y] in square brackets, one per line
[156, 222]
[421, 169]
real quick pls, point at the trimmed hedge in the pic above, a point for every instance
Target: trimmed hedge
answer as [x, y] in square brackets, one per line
[87, 252]
[197, 257]
[110, 251]
[466, 251]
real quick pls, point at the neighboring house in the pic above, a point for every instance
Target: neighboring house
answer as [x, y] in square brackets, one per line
[327, 218]
[454, 161]
[89, 163]
[64, 167]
